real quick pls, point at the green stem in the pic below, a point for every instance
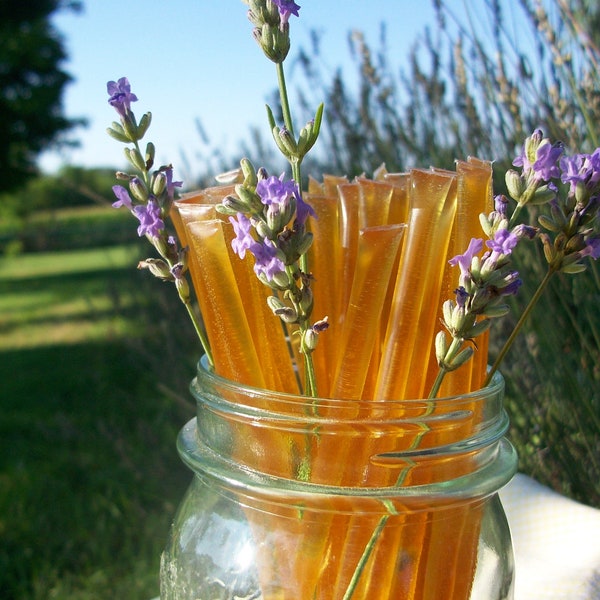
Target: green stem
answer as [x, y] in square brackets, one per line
[435, 388]
[532, 302]
[365, 557]
[285, 103]
[295, 163]
[451, 353]
[309, 370]
[199, 331]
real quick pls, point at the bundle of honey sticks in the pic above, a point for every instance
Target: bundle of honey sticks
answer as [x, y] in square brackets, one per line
[379, 263]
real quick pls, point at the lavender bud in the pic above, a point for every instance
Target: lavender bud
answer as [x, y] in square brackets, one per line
[159, 183]
[309, 340]
[462, 357]
[143, 125]
[118, 133]
[138, 189]
[249, 173]
[150, 153]
[159, 268]
[514, 184]
[441, 346]
[183, 288]
[135, 158]
[447, 311]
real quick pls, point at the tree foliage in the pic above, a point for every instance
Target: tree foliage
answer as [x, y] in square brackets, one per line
[31, 86]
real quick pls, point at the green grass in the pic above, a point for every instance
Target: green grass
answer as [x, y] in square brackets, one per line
[89, 474]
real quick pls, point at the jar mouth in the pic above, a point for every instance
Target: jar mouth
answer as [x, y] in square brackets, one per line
[448, 447]
[321, 408]
[231, 477]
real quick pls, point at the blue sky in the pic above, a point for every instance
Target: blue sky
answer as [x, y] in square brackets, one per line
[189, 59]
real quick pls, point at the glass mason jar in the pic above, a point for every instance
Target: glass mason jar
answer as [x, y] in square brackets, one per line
[295, 498]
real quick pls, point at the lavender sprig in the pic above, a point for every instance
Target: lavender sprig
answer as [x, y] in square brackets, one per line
[269, 215]
[149, 197]
[571, 222]
[570, 233]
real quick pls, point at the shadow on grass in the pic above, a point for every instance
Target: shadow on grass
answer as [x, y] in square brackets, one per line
[89, 474]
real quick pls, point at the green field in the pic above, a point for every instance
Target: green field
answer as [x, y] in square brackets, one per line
[89, 474]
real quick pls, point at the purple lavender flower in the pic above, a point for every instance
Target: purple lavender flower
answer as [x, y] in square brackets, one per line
[123, 198]
[171, 185]
[581, 169]
[149, 217]
[461, 296]
[503, 243]
[464, 260]
[592, 248]
[545, 166]
[267, 262]
[570, 167]
[276, 191]
[522, 160]
[594, 163]
[512, 283]
[501, 205]
[120, 95]
[243, 240]
[286, 8]
[303, 209]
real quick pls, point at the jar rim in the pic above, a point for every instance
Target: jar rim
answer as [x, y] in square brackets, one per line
[470, 487]
[207, 376]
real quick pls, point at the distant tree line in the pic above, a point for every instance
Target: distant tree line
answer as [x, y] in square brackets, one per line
[32, 83]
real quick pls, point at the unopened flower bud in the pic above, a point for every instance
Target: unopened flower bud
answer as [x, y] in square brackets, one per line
[309, 340]
[281, 280]
[117, 132]
[143, 125]
[249, 173]
[514, 184]
[159, 268]
[159, 183]
[138, 189]
[150, 153]
[441, 346]
[230, 205]
[549, 224]
[135, 158]
[575, 243]
[183, 288]
[462, 357]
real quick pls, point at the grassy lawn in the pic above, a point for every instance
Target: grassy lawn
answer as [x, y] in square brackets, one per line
[89, 474]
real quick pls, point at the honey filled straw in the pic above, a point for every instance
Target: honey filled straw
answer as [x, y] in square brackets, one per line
[221, 305]
[374, 202]
[399, 207]
[324, 259]
[377, 250]
[413, 308]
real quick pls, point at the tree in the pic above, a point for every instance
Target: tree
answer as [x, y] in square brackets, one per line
[31, 86]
